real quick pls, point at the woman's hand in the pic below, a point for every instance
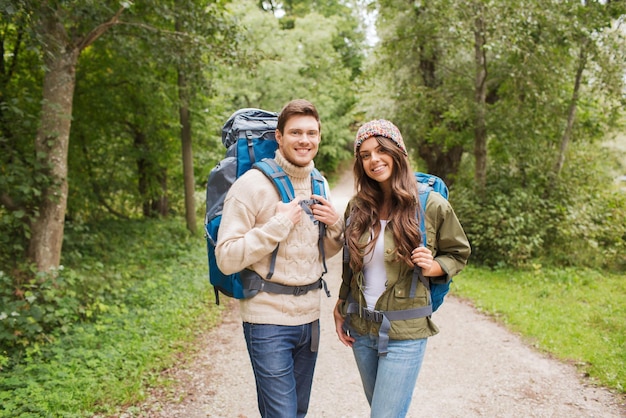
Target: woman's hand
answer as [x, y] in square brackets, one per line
[423, 257]
[346, 339]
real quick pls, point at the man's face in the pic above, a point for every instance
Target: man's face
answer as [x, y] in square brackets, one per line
[300, 140]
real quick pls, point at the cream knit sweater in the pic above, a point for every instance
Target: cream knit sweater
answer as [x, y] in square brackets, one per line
[249, 232]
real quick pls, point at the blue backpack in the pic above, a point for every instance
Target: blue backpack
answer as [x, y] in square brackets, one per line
[249, 138]
[426, 184]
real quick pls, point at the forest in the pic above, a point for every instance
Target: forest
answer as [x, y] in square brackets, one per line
[111, 115]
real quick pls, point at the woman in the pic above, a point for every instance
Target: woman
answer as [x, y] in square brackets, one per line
[383, 313]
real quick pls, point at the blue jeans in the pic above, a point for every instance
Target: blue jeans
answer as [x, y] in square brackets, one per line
[283, 366]
[388, 381]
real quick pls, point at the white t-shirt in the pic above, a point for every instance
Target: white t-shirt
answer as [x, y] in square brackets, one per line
[375, 277]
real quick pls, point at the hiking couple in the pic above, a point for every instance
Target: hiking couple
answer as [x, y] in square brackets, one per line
[382, 248]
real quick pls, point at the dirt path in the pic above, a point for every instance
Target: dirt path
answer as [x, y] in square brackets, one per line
[473, 368]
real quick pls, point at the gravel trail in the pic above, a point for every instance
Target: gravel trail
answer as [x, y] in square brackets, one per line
[473, 368]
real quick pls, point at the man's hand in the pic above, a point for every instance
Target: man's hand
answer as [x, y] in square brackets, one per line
[324, 210]
[291, 210]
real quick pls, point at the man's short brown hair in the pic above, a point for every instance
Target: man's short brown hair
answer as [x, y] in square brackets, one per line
[297, 107]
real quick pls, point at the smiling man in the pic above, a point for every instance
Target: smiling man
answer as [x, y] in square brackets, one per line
[282, 329]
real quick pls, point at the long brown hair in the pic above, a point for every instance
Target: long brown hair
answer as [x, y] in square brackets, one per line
[366, 206]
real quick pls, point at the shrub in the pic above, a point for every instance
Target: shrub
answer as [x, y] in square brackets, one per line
[576, 224]
[117, 327]
[504, 228]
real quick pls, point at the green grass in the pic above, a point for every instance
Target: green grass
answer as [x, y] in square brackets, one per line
[578, 316]
[153, 302]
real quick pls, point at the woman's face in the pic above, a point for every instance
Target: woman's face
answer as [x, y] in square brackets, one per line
[377, 163]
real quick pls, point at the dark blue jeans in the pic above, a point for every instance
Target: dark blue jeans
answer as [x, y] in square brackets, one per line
[283, 366]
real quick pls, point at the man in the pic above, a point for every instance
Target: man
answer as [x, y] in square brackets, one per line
[281, 330]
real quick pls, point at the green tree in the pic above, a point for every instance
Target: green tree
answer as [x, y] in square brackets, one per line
[62, 31]
[173, 55]
[556, 96]
[20, 179]
[299, 60]
[420, 77]
[196, 62]
[50, 42]
[123, 142]
[504, 90]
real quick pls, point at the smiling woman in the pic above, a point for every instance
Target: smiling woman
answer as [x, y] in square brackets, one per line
[384, 310]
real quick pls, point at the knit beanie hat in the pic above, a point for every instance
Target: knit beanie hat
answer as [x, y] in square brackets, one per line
[380, 127]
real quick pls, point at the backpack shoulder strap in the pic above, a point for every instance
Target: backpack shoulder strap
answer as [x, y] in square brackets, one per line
[278, 176]
[424, 189]
[280, 179]
[318, 188]
[317, 183]
[427, 183]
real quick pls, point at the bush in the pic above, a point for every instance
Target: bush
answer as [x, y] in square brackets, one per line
[116, 327]
[592, 233]
[504, 228]
[36, 308]
[39, 307]
[514, 223]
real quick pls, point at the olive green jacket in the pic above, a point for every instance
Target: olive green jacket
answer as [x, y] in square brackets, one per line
[450, 247]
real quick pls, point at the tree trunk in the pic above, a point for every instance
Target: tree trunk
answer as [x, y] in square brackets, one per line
[185, 137]
[51, 144]
[571, 113]
[60, 56]
[441, 163]
[140, 143]
[480, 98]
[160, 204]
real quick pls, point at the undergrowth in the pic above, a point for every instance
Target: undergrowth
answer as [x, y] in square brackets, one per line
[130, 296]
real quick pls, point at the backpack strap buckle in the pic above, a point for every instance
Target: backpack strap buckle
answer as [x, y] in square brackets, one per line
[374, 316]
[300, 290]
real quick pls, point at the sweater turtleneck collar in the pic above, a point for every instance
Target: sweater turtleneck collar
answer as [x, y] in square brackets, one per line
[292, 170]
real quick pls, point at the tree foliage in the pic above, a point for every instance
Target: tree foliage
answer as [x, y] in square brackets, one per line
[126, 124]
[505, 99]
[303, 59]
